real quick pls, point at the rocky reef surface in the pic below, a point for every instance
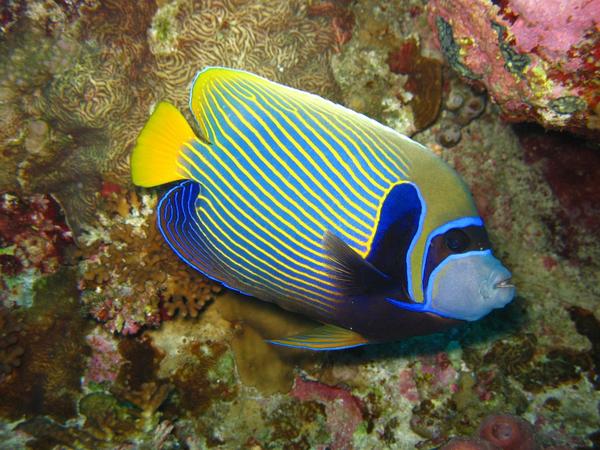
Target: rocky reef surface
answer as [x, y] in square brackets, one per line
[108, 341]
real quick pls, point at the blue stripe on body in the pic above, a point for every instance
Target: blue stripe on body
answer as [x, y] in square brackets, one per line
[330, 161]
[321, 211]
[310, 194]
[189, 237]
[277, 280]
[349, 160]
[256, 249]
[210, 176]
[373, 151]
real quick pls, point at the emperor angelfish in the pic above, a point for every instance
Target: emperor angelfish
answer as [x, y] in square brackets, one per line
[298, 201]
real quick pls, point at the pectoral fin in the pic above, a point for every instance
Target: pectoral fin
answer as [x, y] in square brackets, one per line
[326, 337]
[354, 275]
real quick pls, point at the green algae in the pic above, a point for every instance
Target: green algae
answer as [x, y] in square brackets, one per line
[451, 49]
[514, 61]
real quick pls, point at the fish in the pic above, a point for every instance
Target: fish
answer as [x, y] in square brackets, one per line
[288, 197]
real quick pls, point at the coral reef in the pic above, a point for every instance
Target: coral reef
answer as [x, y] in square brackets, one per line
[48, 379]
[33, 241]
[77, 87]
[129, 276]
[10, 350]
[537, 65]
[90, 368]
[341, 409]
[387, 71]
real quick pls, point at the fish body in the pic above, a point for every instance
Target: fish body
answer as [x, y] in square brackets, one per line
[298, 201]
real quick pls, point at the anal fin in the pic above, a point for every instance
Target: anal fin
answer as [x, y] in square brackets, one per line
[326, 337]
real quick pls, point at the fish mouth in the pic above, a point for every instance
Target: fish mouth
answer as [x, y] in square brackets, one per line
[506, 283]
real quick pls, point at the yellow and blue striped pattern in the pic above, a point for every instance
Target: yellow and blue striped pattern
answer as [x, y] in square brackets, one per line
[282, 167]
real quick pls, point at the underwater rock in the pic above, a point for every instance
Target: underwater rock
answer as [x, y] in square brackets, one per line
[343, 411]
[10, 350]
[537, 64]
[48, 379]
[569, 165]
[253, 323]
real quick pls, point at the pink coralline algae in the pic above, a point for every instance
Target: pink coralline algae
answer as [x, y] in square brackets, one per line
[33, 235]
[538, 63]
[105, 360]
[498, 432]
[343, 410]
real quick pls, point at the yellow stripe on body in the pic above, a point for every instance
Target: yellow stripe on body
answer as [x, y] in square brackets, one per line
[250, 218]
[292, 250]
[336, 154]
[266, 178]
[292, 172]
[394, 149]
[357, 163]
[265, 285]
[241, 197]
[375, 150]
[300, 148]
[260, 250]
[232, 263]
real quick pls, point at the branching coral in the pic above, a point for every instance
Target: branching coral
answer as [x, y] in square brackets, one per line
[128, 273]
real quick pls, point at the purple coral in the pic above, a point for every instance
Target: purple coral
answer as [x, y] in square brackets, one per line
[103, 366]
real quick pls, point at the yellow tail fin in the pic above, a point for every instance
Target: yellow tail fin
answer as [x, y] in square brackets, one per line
[154, 158]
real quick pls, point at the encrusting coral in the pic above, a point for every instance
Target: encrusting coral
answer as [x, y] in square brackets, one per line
[76, 89]
[129, 277]
[386, 70]
[537, 64]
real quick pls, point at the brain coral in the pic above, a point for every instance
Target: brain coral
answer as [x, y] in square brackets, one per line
[77, 87]
[538, 64]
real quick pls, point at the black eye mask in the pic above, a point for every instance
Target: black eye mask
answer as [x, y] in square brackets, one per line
[453, 241]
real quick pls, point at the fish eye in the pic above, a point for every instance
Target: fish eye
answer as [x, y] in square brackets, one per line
[456, 240]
